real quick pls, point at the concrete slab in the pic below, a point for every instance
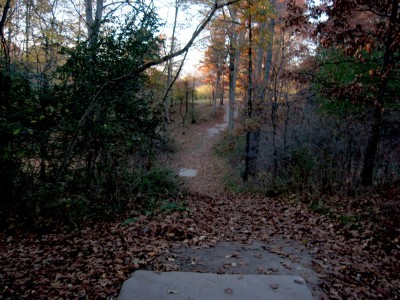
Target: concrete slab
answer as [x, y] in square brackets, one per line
[187, 172]
[148, 285]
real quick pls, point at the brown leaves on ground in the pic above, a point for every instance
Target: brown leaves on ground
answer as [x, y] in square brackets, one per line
[194, 145]
[94, 261]
[355, 241]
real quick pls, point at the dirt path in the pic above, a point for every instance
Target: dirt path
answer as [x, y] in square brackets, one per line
[278, 256]
[221, 233]
[194, 145]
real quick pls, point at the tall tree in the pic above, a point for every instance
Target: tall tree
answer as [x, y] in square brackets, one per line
[366, 31]
[3, 20]
[215, 59]
[93, 21]
[236, 36]
[263, 67]
[167, 101]
[249, 91]
[5, 58]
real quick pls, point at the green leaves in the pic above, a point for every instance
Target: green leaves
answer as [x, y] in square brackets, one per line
[129, 221]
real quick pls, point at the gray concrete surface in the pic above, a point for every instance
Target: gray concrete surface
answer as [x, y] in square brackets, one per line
[148, 285]
[275, 257]
[187, 172]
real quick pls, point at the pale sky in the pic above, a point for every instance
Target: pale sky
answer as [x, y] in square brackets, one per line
[188, 19]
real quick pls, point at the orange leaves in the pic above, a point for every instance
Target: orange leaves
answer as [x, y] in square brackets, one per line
[368, 48]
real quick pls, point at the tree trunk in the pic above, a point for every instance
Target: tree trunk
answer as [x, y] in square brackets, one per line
[221, 99]
[250, 155]
[7, 167]
[167, 102]
[186, 99]
[260, 53]
[274, 113]
[4, 16]
[371, 149]
[97, 20]
[93, 23]
[261, 93]
[215, 95]
[27, 27]
[5, 80]
[388, 62]
[285, 130]
[193, 96]
[233, 52]
[89, 17]
[268, 58]
[3, 41]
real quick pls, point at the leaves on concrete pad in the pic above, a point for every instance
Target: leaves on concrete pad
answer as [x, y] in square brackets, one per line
[355, 247]
[95, 260]
[274, 286]
[229, 291]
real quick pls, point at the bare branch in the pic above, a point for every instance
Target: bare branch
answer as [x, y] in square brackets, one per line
[134, 73]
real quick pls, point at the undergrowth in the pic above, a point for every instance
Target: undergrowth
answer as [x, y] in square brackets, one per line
[376, 207]
[230, 149]
[144, 192]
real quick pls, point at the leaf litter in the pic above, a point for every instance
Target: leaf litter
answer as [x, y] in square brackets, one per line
[354, 260]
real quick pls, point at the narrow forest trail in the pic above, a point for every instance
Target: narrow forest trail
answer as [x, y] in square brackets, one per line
[216, 232]
[193, 150]
[229, 245]
[225, 232]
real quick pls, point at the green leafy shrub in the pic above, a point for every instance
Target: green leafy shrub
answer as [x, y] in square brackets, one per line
[115, 147]
[155, 186]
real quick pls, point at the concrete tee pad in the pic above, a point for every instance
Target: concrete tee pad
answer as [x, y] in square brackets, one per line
[148, 285]
[187, 172]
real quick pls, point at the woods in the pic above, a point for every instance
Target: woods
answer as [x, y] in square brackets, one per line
[47, 95]
[77, 117]
[95, 98]
[323, 85]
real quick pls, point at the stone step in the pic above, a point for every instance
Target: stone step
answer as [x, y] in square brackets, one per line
[148, 285]
[187, 172]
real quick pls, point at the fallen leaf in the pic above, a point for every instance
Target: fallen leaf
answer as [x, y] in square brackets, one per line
[274, 286]
[229, 291]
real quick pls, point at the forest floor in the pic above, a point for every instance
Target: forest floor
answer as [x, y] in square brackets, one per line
[343, 252]
[193, 150]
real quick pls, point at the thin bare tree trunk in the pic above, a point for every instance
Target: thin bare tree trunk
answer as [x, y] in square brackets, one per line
[249, 153]
[167, 102]
[93, 23]
[4, 44]
[215, 95]
[89, 17]
[261, 91]
[232, 84]
[285, 130]
[377, 119]
[260, 53]
[27, 27]
[193, 96]
[222, 92]
[5, 80]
